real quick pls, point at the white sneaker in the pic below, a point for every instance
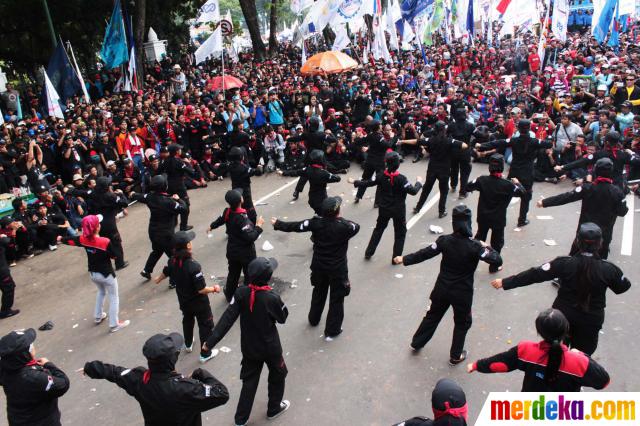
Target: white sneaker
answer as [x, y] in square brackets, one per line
[188, 349]
[120, 326]
[102, 317]
[214, 352]
[53, 247]
[284, 406]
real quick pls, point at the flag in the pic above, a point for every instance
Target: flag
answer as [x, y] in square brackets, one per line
[132, 75]
[604, 20]
[62, 74]
[470, 23]
[297, 6]
[434, 22]
[560, 19]
[391, 29]
[77, 69]
[304, 53]
[342, 37]
[502, 6]
[346, 11]
[209, 12]
[1, 118]
[212, 46]
[52, 99]
[614, 40]
[114, 47]
[412, 8]
[379, 46]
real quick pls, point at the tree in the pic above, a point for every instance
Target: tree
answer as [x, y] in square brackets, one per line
[139, 32]
[273, 25]
[251, 18]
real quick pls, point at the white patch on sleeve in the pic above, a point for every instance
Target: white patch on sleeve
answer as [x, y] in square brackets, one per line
[590, 157]
[177, 205]
[304, 225]
[578, 189]
[199, 275]
[207, 391]
[246, 227]
[125, 372]
[49, 383]
[546, 267]
[145, 196]
[233, 300]
[485, 252]
[406, 185]
[434, 246]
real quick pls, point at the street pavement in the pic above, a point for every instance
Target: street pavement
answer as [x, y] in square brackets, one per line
[368, 375]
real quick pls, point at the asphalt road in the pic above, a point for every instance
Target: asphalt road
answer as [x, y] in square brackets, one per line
[367, 376]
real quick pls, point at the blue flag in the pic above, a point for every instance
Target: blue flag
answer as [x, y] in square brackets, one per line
[114, 50]
[614, 40]
[470, 24]
[604, 21]
[62, 74]
[412, 8]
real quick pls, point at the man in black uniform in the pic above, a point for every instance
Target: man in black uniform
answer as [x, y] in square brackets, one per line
[329, 269]
[495, 196]
[176, 168]
[105, 201]
[394, 188]
[186, 275]
[164, 211]
[240, 173]
[525, 150]
[376, 147]
[461, 130]
[259, 310]
[7, 285]
[150, 172]
[454, 285]
[242, 235]
[31, 385]
[318, 178]
[166, 397]
[602, 203]
[440, 148]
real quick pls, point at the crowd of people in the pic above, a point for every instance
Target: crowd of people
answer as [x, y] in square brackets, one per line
[574, 114]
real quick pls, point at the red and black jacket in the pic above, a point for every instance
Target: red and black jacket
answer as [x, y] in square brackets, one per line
[576, 370]
[99, 253]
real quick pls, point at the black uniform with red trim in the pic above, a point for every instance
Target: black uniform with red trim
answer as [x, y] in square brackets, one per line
[374, 163]
[240, 174]
[576, 369]
[7, 285]
[585, 325]
[176, 169]
[100, 251]
[318, 178]
[619, 157]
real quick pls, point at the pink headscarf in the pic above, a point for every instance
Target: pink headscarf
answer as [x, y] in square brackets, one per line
[90, 224]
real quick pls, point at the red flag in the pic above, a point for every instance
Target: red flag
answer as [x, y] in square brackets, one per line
[502, 6]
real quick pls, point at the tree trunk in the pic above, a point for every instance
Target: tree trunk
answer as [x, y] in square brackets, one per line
[251, 18]
[138, 35]
[273, 24]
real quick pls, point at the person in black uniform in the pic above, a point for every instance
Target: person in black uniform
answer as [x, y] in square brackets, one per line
[242, 235]
[259, 310]
[542, 361]
[449, 404]
[329, 270]
[454, 285]
[393, 188]
[525, 150]
[176, 168]
[240, 173]
[376, 147]
[440, 148]
[602, 203]
[7, 285]
[461, 130]
[150, 172]
[166, 397]
[186, 275]
[313, 139]
[31, 385]
[164, 211]
[103, 200]
[318, 177]
[495, 196]
[613, 151]
[584, 280]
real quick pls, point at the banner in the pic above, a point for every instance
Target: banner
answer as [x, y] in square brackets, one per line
[52, 99]
[342, 37]
[211, 47]
[394, 44]
[604, 19]
[413, 8]
[77, 68]
[560, 19]
[209, 12]
[62, 75]
[297, 6]
[434, 22]
[114, 50]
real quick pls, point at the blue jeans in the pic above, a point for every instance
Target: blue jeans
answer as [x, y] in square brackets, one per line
[106, 285]
[139, 162]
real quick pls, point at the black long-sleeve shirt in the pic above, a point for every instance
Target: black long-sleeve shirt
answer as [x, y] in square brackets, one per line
[99, 251]
[393, 189]
[242, 234]
[495, 195]
[164, 211]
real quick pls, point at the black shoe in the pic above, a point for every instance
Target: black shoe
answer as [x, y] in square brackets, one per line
[124, 265]
[341, 172]
[295, 195]
[415, 160]
[555, 282]
[9, 313]
[454, 362]
[462, 196]
[442, 214]
[284, 406]
[368, 256]
[146, 275]
[523, 223]
[417, 209]
[356, 200]
[375, 205]
[172, 286]
[186, 228]
[494, 269]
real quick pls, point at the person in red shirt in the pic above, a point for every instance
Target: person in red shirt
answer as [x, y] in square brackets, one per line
[534, 61]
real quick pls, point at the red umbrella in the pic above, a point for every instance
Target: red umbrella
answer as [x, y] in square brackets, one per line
[229, 81]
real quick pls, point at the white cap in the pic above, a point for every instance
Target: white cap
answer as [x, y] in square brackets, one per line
[602, 87]
[111, 163]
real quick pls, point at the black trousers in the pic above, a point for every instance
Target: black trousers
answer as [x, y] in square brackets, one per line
[158, 248]
[247, 204]
[250, 376]
[584, 337]
[497, 238]
[440, 302]
[463, 167]
[525, 200]
[339, 286]
[399, 232]
[443, 182]
[7, 287]
[204, 317]
[184, 216]
[235, 268]
[116, 243]
[367, 173]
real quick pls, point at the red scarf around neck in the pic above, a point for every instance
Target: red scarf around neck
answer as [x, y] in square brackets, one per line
[391, 175]
[239, 210]
[601, 179]
[497, 174]
[254, 288]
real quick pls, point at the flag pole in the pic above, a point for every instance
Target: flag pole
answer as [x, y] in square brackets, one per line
[52, 32]
[224, 95]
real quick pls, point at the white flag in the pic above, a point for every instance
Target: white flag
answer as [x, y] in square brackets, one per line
[391, 29]
[1, 118]
[627, 7]
[407, 33]
[560, 19]
[297, 6]
[212, 46]
[53, 99]
[379, 47]
[77, 69]
[304, 53]
[209, 12]
[132, 77]
[342, 37]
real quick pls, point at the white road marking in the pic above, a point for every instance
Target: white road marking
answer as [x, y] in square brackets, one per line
[627, 228]
[271, 194]
[430, 203]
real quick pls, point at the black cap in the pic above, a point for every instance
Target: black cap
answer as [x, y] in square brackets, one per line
[447, 394]
[5, 221]
[235, 154]
[496, 163]
[392, 160]
[524, 124]
[612, 137]
[330, 206]
[461, 220]
[17, 341]
[181, 238]
[132, 128]
[161, 346]
[158, 183]
[174, 147]
[604, 167]
[316, 157]
[260, 269]
[589, 232]
[233, 197]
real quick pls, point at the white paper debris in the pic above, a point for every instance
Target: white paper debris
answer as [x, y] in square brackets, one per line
[292, 202]
[435, 229]
[546, 217]
[209, 234]
[399, 275]
[550, 242]
[266, 246]
[225, 349]
[75, 325]
[517, 229]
